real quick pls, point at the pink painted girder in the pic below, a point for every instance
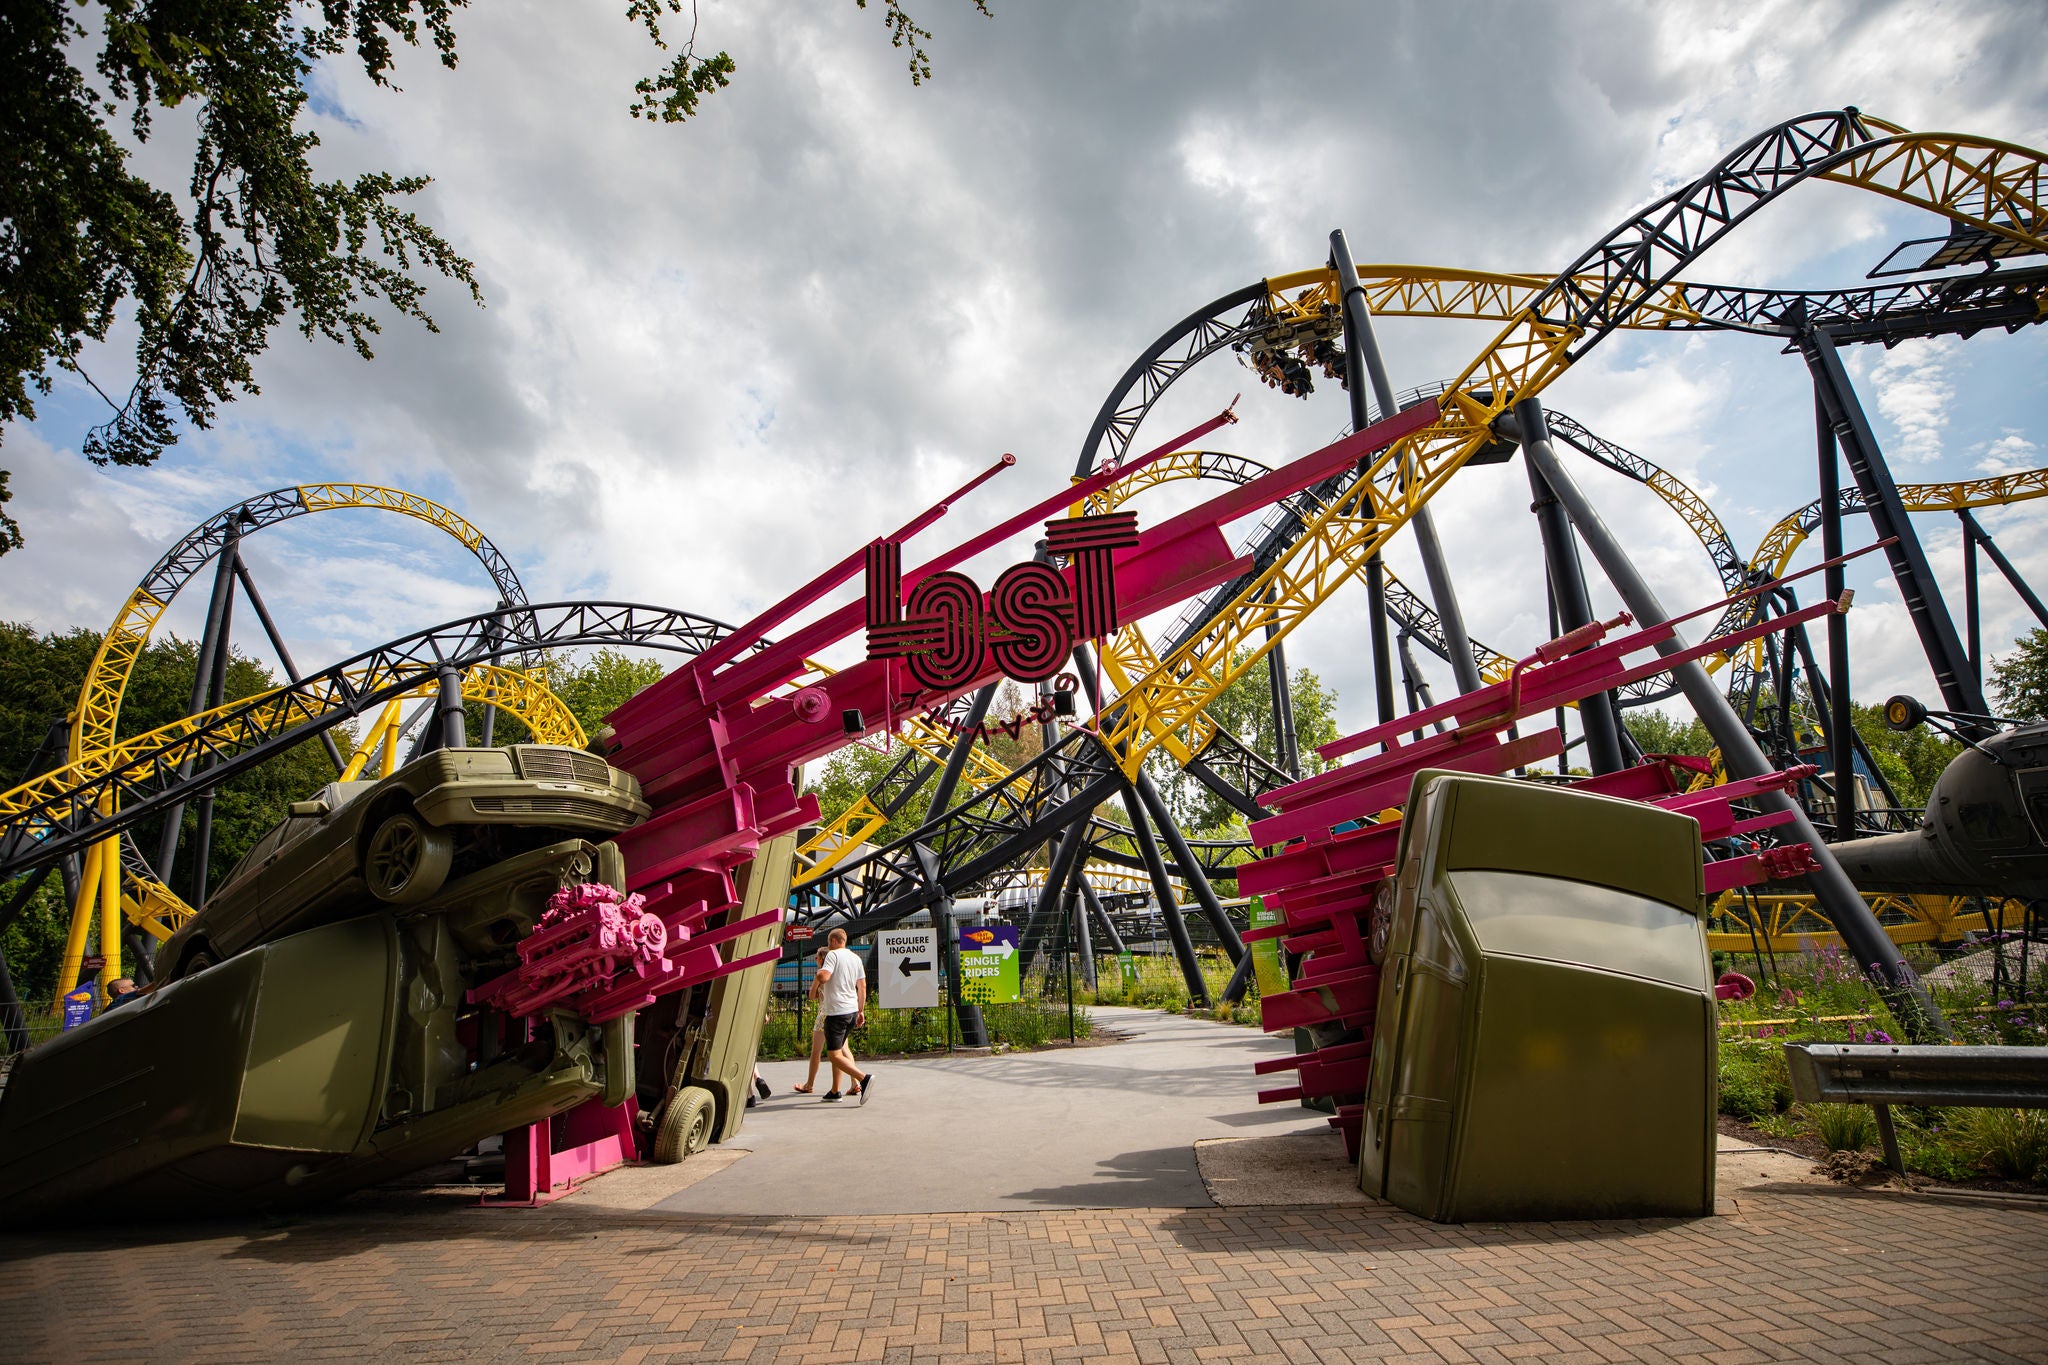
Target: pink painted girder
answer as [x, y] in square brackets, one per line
[715, 752]
[1325, 882]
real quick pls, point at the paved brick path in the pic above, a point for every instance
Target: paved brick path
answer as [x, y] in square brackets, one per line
[1816, 1275]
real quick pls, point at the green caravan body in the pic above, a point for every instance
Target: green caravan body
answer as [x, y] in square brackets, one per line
[300, 1069]
[1545, 1042]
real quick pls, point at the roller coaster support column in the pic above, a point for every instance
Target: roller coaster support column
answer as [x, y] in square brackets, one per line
[448, 715]
[1068, 854]
[1354, 384]
[1155, 806]
[1358, 338]
[1162, 891]
[1841, 722]
[1079, 940]
[1836, 894]
[212, 641]
[1917, 585]
[284, 655]
[1286, 745]
[219, 629]
[1973, 533]
[972, 1026]
[487, 728]
[1568, 589]
[1824, 698]
[1102, 921]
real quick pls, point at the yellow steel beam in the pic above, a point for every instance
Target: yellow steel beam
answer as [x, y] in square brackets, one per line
[1786, 924]
[1970, 180]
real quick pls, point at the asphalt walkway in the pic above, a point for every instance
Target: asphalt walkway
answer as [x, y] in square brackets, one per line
[1089, 1127]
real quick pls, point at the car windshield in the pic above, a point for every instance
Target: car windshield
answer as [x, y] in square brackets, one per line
[1550, 917]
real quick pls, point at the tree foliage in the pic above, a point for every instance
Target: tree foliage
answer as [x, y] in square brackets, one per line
[87, 243]
[1656, 733]
[2021, 678]
[1245, 709]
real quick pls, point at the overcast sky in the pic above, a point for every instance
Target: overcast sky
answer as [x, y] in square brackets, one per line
[716, 357]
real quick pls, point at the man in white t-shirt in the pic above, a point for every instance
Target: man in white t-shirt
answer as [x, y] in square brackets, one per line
[842, 989]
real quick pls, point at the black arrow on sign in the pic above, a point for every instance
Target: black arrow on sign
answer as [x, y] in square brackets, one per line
[906, 966]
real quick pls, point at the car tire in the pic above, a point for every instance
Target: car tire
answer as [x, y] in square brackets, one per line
[407, 859]
[196, 961]
[686, 1124]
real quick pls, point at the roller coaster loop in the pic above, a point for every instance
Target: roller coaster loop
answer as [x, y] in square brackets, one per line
[1991, 187]
[99, 703]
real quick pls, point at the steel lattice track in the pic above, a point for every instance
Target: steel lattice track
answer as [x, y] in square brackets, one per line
[59, 813]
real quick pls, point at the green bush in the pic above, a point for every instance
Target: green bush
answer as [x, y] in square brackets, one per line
[1928, 1146]
[887, 1033]
[1842, 1127]
[2012, 1143]
[1159, 984]
[1754, 1082]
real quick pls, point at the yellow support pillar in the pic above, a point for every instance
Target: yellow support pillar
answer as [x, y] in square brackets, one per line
[372, 741]
[81, 924]
[110, 911]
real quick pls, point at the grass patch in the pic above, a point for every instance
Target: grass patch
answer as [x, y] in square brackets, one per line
[2012, 1143]
[897, 1032]
[1819, 995]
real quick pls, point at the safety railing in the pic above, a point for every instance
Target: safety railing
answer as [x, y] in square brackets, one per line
[1882, 1076]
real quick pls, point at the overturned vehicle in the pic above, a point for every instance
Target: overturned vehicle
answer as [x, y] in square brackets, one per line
[396, 972]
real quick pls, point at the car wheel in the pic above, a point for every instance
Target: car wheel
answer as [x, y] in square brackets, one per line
[685, 1125]
[407, 859]
[195, 962]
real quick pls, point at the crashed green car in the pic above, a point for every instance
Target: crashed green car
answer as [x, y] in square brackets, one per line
[313, 1064]
[400, 841]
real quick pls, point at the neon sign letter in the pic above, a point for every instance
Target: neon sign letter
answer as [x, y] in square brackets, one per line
[946, 631]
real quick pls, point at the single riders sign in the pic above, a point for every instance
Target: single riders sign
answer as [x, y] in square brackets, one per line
[946, 630]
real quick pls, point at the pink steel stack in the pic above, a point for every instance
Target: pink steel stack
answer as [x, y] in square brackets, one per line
[1325, 882]
[716, 743]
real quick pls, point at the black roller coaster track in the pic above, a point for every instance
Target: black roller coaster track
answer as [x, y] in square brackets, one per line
[58, 813]
[206, 540]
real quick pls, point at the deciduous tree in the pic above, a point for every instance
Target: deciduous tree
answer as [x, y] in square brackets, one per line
[87, 243]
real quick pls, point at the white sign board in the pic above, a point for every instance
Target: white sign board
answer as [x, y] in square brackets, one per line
[907, 968]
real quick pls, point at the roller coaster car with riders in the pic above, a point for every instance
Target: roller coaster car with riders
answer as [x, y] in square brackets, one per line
[427, 837]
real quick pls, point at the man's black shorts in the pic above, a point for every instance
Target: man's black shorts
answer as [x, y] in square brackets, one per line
[837, 1027]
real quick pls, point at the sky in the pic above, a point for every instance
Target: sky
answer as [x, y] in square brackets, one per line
[716, 357]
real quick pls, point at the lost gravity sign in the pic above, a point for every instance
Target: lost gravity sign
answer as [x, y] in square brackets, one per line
[947, 631]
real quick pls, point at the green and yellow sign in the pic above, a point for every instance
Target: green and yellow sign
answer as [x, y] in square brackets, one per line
[1267, 968]
[989, 969]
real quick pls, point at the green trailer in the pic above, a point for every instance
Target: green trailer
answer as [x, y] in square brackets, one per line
[1545, 1041]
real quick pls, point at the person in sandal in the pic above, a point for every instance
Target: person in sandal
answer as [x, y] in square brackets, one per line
[842, 998]
[817, 1027]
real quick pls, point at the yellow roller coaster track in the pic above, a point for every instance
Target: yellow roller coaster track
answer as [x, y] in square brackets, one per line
[1993, 186]
[158, 911]
[1786, 924]
[97, 720]
[1774, 553]
[95, 723]
[852, 827]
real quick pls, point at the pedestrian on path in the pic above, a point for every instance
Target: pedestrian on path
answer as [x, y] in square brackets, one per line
[843, 993]
[817, 1024]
